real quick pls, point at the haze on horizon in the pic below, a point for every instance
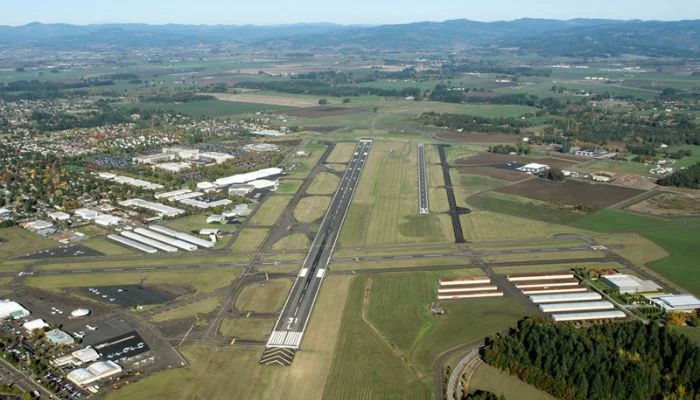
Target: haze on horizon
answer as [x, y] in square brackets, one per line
[20, 12]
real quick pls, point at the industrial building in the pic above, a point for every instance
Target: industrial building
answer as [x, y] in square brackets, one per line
[153, 159]
[165, 239]
[181, 152]
[592, 315]
[132, 243]
[11, 309]
[545, 290]
[174, 193]
[676, 302]
[173, 167]
[466, 287]
[564, 297]
[266, 173]
[77, 358]
[204, 205]
[629, 284]
[551, 284]
[125, 180]
[59, 338]
[160, 209]
[94, 372]
[463, 281]
[59, 216]
[31, 326]
[469, 295]
[452, 289]
[182, 236]
[577, 306]
[540, 277]
[214, 157]
[150, 242]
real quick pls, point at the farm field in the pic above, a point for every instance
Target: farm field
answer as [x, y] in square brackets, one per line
[270, 210]
[466, 185]
[249, 239]
[268, 99]
[264, 297]
[493, 172]
[384, 208]
[210, 108]
[620, 221]
[478, 137]
[297, 241]
[494, 380]
[311, 208]
[247, 328]
[323, 183]
[571, 192]
[204, 306]
[200, 281]
[682, 264]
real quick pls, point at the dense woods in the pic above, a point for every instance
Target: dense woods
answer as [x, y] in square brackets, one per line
[607, 361]
[688, 177]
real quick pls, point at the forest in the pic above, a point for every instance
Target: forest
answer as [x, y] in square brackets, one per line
[607, 361]
[687, 178]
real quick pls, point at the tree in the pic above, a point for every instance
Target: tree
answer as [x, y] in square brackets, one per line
[553, 174]
[346, 100]
[323, 101]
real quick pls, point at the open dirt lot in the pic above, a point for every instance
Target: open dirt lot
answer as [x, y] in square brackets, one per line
[571, 192]
[478, 137]
[504, 159]
[256, 97]
[670, 205]
[316, 112]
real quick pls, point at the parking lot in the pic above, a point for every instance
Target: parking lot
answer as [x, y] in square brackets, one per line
[129, 295]
[74, 250]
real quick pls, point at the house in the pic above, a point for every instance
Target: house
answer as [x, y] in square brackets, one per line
[533, 168]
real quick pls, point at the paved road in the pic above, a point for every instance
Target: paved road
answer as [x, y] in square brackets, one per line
[454, 212]
[291, 324]
[422, 181]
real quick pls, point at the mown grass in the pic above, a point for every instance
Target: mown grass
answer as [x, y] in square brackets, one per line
[204, 306]
[248, 328]
[270, 210]
[264, 297]
[682, 265]
[492, 379]
[249, 240]
[297, 241]
[620, 221]
[323, 183]
[16, 241]
[311, 208]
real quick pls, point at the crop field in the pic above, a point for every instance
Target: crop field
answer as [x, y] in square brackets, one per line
[268, 99]
[466, 185]
[264, 297]
[572, 192]
[200, 281]
[270, 210]
[297, 241]
[210, 108]
[16, 241]
[311, 208]
[487, 225]
[620, 221]
[324, 111]
[249, 240]
[494, 380]
[385, 205]
[247, 328]
[493, 172]
[682, 265]
[523, 207]
[342, 152]
[323, 183]
[204, 306]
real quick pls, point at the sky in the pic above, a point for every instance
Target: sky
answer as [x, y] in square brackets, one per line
[19, 12]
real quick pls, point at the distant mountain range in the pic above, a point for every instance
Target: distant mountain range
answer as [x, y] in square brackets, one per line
[588, 37]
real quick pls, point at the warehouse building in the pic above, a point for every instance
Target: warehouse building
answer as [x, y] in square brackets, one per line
[35, 324]
[174, 193]
[629, 284]
[76, 358]
[540, 277]
[469, 295]
[132, 243]
[160, 209]
[266, 173]
[149, 242]
[11, 309]
[564, 297]
[153, 159]
[165, 239]
[577, 306]
[59, 216]
[455, 288]
[592, 315]
[533, 168]
[463, 281]
[212, 157]
[173, 167]
[59, 338]
[676, 303]
[551, 284]
[94, 372]
[182, 236]
[545, 290]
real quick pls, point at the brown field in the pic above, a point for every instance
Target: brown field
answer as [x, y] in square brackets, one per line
[255, 97]
[571, 192]
[491, 159]
[493, 172]
[317, 112]
[478, 137]
[669, 205]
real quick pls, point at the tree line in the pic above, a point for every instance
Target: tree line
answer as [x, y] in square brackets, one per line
[687, 177]
[474, 123]
[605, 361]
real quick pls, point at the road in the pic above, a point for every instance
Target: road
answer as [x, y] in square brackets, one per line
[291, 324]
[422, 181]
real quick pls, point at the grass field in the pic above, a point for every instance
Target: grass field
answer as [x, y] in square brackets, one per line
[204, 306]
[311, 208]
[238, 373]
[181, 258]
[297, 241]
[195, 223]
[264, 297]
[16, 241]
[682, 265]
[488, 225]
[323, 183]
[385, 205]
[458, 262]
[247, 328]
[305, 165]
[201, 281]
[466, 185]
[106, 246]
[289, 186]
[496, 381]
[407, 323]
[620, 221]
[693, 333]
[270, 210]
[522, 207]
[342, 152]
[249, 239]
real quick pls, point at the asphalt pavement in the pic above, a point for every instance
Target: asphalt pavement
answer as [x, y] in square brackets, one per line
[291, 324]
[422, 181]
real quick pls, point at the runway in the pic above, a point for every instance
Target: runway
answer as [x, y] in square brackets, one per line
[422, 181]
[291, 324]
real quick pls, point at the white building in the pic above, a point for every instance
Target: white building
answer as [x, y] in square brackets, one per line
[564, 297]
[153, 158]
[676, 302]
[266, 173]
[35, 324]
[9, 308]
[38, 225]
[94, 372]
[592, 315]
[215, 157]
[160, 209]
[215, 219]
[577, 306]
[173, 167]
[181, 152]
[533, 168]
[629, 284]
[167, 195]
[108, 220]
[59, 216]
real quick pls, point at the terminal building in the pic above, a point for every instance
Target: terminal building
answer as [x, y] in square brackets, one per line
[629, 284]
